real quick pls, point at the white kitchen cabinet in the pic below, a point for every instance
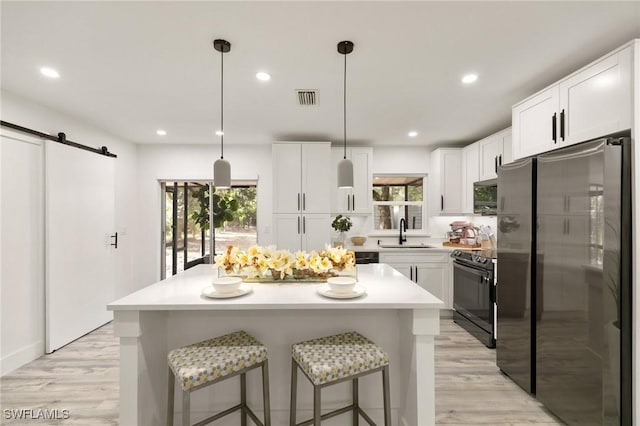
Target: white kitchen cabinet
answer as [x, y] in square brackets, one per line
[534, 123]
[592, 102]
[507, 146]
[490, 151]
[446, 181]
[301, 177]
[470, 174]
[294, 231]
[430, 270]
[356, 200]
[596, 101]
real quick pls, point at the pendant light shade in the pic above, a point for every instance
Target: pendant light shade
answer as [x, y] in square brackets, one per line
[345, 166]
[345, 173]
[221, 167]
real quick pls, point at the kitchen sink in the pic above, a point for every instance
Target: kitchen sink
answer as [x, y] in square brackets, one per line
[396, 245]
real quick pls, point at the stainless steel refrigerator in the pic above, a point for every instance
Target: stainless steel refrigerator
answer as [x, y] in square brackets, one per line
[563, 285]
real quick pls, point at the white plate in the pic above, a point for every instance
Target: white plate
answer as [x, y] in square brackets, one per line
[341, 280]
[241, 291]
[325, 290]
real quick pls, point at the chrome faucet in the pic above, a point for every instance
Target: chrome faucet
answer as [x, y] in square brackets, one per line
[403, 224]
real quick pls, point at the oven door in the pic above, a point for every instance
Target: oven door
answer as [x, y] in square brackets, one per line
[474, 294]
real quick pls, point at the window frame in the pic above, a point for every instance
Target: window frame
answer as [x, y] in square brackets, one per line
[424, 204]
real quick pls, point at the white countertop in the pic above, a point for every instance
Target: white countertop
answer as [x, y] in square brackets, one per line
[386, 289]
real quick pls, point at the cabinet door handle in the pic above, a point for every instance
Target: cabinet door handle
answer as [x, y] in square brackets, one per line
[304, 201]
[562, 124]
[441, 202]
[304, 224]
[298, 224]
[115, 240]
[495, 164]
[416, 274]
[298, 201]
[353, 202]
[500, 160]
[568, 226]
[554, 135]
[411, 272]
[348, 203]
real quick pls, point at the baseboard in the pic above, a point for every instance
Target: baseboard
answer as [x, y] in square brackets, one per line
[21, 357]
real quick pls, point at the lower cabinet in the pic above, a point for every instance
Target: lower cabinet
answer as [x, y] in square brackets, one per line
[301, 231]
[431, 271]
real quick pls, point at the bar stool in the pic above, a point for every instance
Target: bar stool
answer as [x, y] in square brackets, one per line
[211, 361]
[334, 359]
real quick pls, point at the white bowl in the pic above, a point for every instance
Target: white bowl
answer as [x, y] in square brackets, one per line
[226, 284]
[341, 285]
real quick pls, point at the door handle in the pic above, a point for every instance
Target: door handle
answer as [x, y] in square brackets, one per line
[298, 201]
[115, 240]
[411, 272]
[441, 202]
[348, 203]
[500, 160]
[495, 164]
[554, 135]
[304, 201]
[416, 274]
[298, 224]
[568, 226]
[353, 202]
[562, 124]
[304, 224]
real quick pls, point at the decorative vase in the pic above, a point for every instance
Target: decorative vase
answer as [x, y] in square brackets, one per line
[340, 239]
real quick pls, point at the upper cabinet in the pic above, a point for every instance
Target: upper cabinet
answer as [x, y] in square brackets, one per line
[590, 103]
[301, 176]
[492, 151]
[446, 181]
[356, 200]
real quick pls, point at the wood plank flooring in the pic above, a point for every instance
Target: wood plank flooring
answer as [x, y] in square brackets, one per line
[83, 378]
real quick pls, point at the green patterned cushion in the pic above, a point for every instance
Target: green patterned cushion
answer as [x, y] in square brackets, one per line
[211, 359]
[335, 357]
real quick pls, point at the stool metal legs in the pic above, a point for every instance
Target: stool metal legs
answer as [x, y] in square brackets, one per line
[245, 411]
[354, 407]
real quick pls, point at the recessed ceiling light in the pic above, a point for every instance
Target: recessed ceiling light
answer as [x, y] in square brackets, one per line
[219, 133]
[263, 76]
[161, 132]
[412, 134]
[469, 78]
[49, 72]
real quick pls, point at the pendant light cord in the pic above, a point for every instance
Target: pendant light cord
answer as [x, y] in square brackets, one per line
[344, 90]
[222, 104]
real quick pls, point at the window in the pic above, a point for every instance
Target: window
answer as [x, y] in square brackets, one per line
[186, 218]
[397, 197]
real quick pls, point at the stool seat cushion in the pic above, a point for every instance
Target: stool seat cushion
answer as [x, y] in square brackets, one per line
[331, 358]
[209, 360]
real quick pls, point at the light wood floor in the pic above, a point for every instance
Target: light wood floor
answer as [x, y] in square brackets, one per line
[83, 378]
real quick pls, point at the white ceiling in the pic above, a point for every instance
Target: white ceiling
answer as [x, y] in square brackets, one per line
[134, 67]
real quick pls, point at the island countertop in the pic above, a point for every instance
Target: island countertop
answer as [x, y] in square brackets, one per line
[386, 288]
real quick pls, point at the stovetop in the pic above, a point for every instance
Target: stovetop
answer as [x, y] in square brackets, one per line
[480, 257]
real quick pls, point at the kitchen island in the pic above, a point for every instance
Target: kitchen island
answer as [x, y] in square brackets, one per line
[395, 313]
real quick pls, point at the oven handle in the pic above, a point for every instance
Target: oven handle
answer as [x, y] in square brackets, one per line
[486, 274]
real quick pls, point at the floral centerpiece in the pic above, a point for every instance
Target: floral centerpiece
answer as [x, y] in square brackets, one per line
[267, 263]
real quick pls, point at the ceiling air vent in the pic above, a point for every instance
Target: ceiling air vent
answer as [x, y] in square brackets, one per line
[307, 97]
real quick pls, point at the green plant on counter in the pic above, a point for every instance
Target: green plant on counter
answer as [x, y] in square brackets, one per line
[341, 223]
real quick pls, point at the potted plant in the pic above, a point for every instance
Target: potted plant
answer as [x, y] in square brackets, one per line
[341, 224]
[224, 207]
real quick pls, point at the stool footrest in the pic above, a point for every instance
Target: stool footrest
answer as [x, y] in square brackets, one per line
[226, 413]
[338, 412]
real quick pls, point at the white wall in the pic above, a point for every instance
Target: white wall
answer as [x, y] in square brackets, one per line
[192, 162]
[25, 113]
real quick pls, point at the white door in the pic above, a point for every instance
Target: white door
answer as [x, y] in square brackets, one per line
[79, 222]
[490, 149]
[597, 100]
[533, 124]
[361, 194]
[451, 181]
[470, 174]
[316, 175]
[316, 231]
[287, 228]
[433, 278]
[287, 193]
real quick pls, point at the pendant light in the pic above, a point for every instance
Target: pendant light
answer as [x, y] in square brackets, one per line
[221, 167]
[345, 166]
